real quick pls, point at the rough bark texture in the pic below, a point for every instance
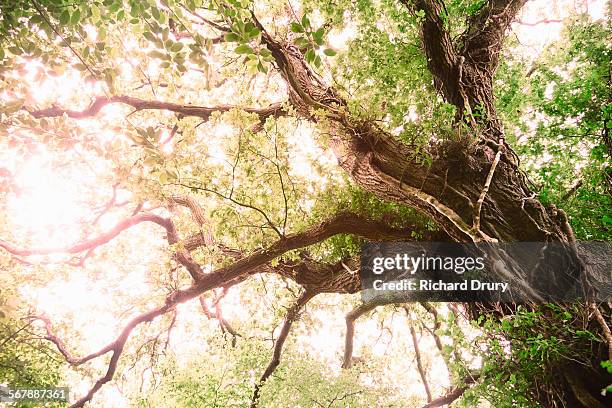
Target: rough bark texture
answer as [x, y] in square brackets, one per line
[473, 188]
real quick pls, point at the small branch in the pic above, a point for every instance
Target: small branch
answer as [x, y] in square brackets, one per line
[217, 315]
[44, 17]
[572, 190]
[446, 399]
[535, 23]
[353, 315]
[239, 203]
[182, 256]
[434, 313]
[415, 344]
[292, 315]
[89, 243]
[606, 329]
[485, 189]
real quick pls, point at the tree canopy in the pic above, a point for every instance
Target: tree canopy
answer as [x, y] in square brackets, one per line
[186, 187]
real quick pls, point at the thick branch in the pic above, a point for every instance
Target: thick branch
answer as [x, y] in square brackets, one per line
[484, 38]
[438, 46]
[203, 112]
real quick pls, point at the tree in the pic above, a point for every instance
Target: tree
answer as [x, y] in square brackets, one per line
[453, 174]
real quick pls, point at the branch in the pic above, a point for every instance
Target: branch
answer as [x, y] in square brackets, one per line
[415, 344]
[292, 315]
[244, 266]
[339, 277]
[93, 242]
[606, 329]
[451, 396]
[353, 315]
[199, 217]
[274, 110]
[434, 313]
[438, 47]
[483, 40]
[454, 393]
[239, 203]
[535, 23]
[182, 256]
[485, 189]
[116, 347]
[217, 314]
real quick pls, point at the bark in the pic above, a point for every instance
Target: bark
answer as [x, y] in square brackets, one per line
[204, 112]
[448, 189]
[353, 315]
[473, 187]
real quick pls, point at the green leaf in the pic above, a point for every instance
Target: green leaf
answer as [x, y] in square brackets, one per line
[231, 37]
[296, 28]
[114, 6]
[95, 12]
[64, 17]
[318, 36]
[329, 52]
[243, 49]
[176, 47]
[149, 36]
[301, 42]
[310, 55]
[76, 17]
[305, 21]
[261, 67]
[157, 54]
[254, 32]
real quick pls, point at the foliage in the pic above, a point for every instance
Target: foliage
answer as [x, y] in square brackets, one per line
[25, 360]
[559, 108]
[259, 178]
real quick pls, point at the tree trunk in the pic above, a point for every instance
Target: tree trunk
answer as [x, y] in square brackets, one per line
[471, 186]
